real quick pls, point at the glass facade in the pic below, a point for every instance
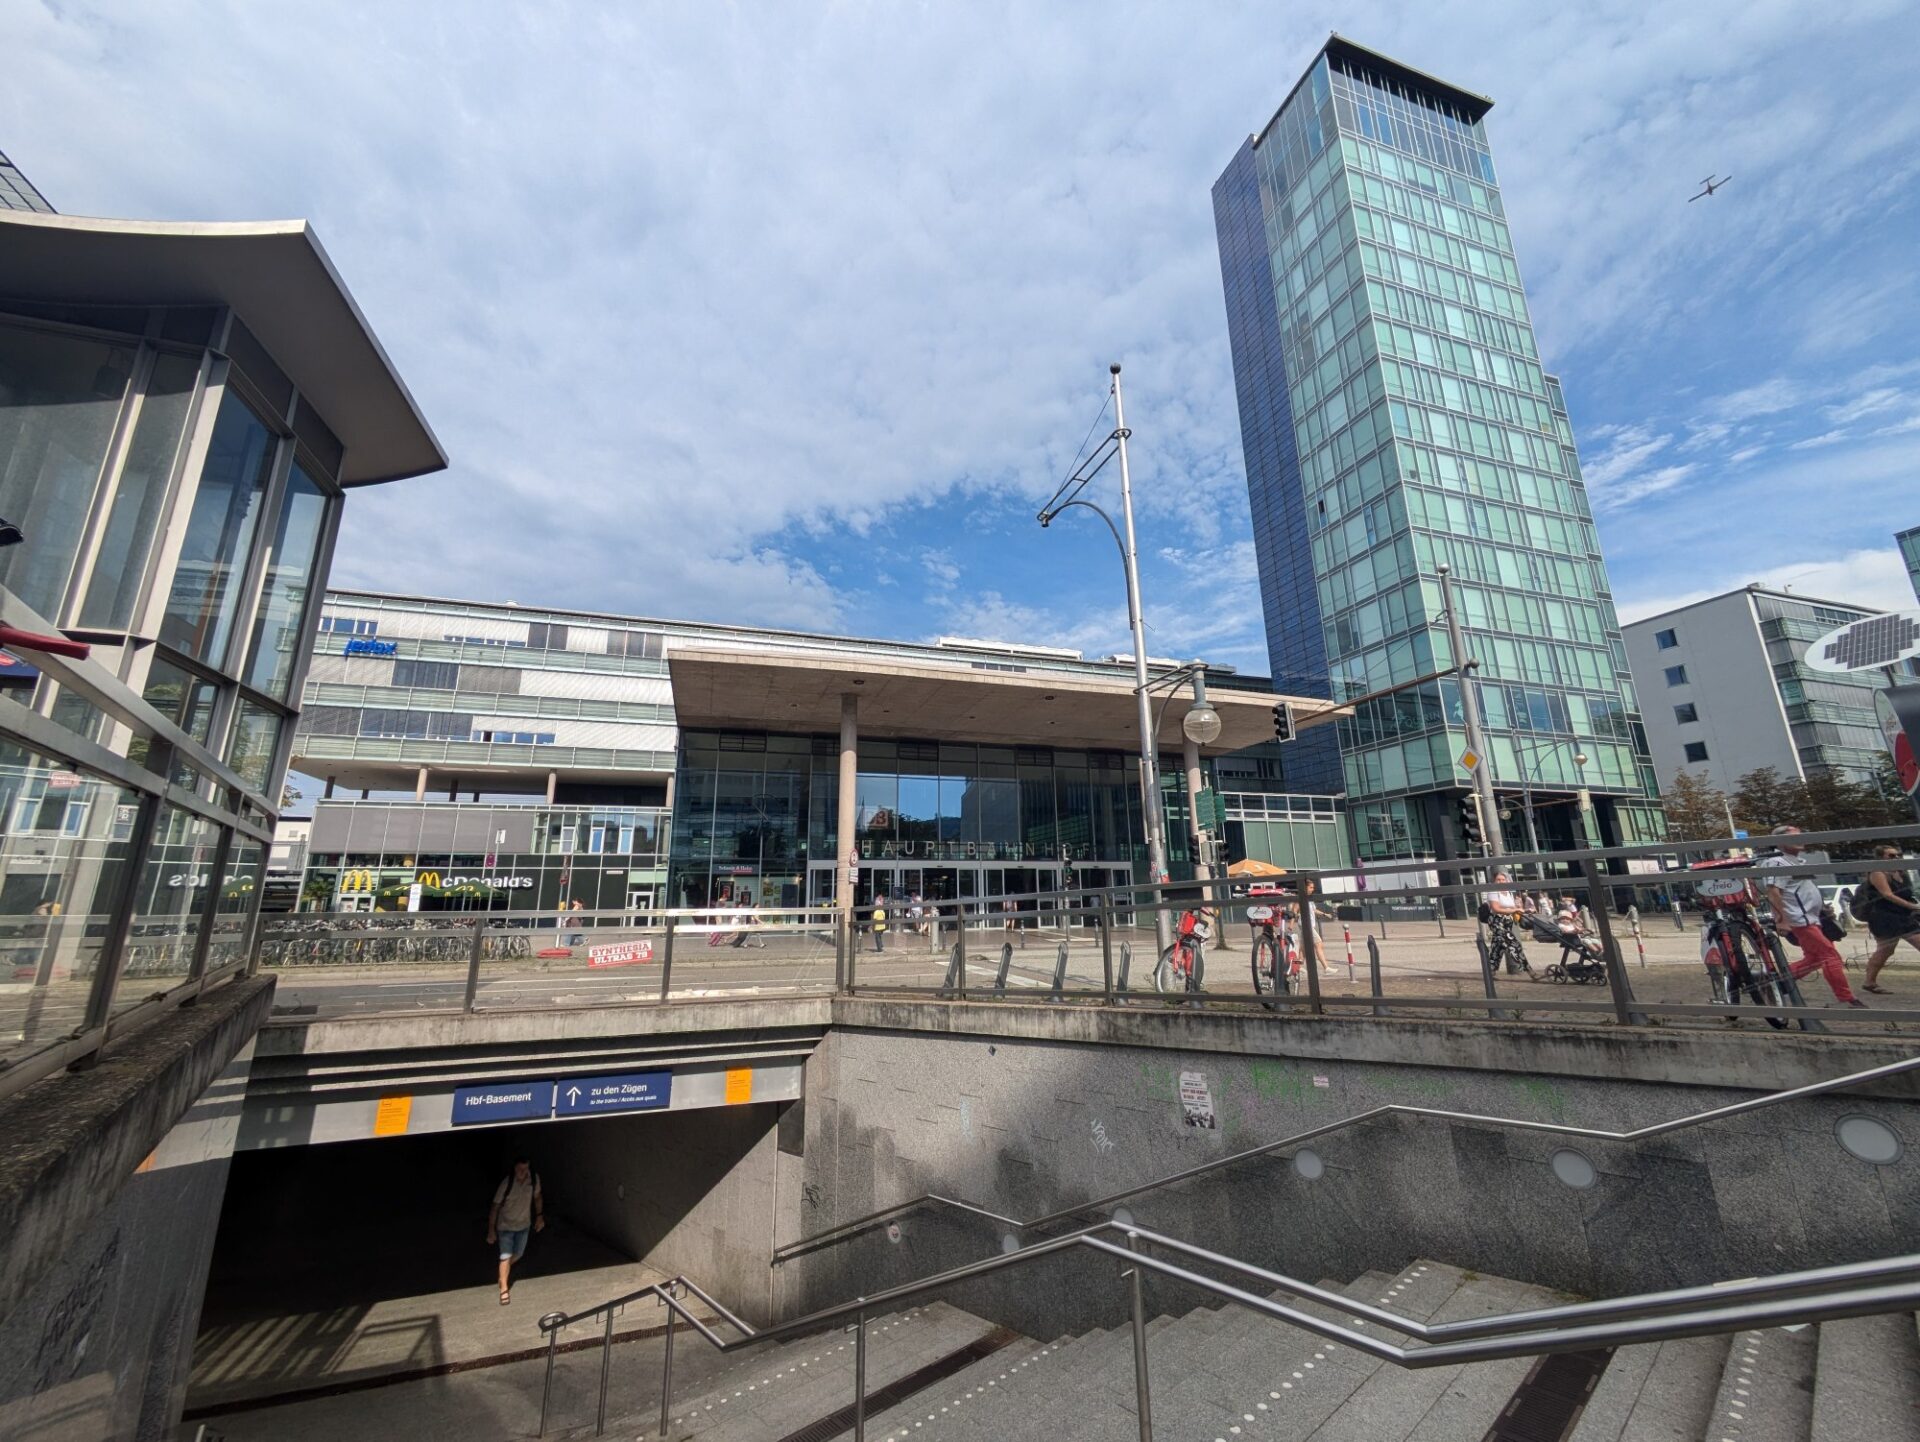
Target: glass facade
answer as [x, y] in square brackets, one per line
[114, 889]
[1395, 416]
[17, 192]
[1909, 542]
[1830, 715]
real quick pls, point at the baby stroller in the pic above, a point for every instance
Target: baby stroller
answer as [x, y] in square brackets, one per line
[1581, 958]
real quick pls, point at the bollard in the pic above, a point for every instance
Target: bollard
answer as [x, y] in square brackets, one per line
[1060, 972]
[1373, 974]
[1439, 915]
[1006, 965]
[1486, 969]
[1679, 923]
[666, 958]
[1347, 933]
[1126, 965]
[1633, 920]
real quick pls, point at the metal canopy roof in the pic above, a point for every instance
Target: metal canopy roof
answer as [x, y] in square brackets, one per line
[275, 276]
[800, 691]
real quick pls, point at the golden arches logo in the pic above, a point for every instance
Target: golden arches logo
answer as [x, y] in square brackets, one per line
[356, 881]
[427, 878]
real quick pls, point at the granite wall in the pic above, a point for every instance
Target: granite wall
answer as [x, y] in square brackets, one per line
[1026, 1127]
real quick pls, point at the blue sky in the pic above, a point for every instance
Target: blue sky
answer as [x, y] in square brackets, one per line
[792, 314]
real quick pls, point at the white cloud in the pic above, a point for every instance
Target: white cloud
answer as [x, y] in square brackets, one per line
[1865, 404]
[1875, 578]
[1825, 438]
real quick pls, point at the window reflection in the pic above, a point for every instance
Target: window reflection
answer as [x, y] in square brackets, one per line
[283, 601]
[226, 512]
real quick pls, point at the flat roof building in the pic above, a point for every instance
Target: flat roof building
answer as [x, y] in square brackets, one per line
[1728, 689]
[537, 757]
[1395, 417]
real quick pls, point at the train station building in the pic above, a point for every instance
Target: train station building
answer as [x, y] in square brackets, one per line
[516, 759]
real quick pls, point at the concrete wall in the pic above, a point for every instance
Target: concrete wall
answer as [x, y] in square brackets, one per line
[692, 1193]
[1026, 1126]
[110, 1191]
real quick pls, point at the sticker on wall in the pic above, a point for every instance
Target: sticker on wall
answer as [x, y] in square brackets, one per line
[1321, 1081]
[739, 1085]
[1196, 1102]
[390, 1118]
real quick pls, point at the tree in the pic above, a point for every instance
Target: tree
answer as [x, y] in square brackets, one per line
[1766, 799]
[289, 795]
[1696, 808]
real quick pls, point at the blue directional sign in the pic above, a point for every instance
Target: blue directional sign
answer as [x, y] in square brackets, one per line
[636, 1091]
[515, 1101]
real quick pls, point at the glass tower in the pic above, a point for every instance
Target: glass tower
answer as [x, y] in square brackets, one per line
[1909, 543]
[1395, 415]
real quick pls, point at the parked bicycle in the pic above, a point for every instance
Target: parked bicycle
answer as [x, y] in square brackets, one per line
[1183, 964]
[1272, 964]
[1740, 950]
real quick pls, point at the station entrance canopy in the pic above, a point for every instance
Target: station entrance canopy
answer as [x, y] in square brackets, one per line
[803, 691]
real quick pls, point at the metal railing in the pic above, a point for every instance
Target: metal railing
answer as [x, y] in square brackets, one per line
[1816, 1295]
[1559, 1129]
[1097, 947]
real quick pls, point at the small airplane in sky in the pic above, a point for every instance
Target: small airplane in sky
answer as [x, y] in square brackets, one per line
[1708, 186]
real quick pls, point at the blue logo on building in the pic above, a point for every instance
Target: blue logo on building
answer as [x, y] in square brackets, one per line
[362, 646]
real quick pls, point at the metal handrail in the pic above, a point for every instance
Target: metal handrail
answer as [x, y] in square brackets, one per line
[1821, 1294]
[873, 1219]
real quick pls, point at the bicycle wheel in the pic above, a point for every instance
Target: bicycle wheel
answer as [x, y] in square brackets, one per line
[1266, 967]
[1163, 969]
[1755, 976]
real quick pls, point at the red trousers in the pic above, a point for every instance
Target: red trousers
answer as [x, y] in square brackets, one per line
[1817, 953]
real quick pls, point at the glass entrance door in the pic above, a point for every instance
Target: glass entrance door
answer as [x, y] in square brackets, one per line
[640, 903]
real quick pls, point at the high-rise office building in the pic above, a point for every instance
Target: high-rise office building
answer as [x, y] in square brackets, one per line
[1395, 416]
[17, 192]
[1909, 543]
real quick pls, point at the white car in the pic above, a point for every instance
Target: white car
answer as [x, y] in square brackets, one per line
[1838, 898]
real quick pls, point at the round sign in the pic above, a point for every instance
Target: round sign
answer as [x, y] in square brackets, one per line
[1899, 742]
[1868, 643]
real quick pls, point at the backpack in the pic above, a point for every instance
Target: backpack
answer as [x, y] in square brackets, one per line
[1864, 897]
[505, 1189]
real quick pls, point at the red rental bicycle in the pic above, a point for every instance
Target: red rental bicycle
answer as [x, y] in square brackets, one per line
[1182, 964]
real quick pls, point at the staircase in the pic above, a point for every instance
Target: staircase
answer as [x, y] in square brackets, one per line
[1227, 1375]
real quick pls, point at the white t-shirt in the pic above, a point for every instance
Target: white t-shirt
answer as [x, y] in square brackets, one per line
[1801, 894]
[1503, 901]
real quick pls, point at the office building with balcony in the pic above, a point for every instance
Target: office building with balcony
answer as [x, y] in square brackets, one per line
[512, 758]
[184, 409]
[1909, 543]
[1729, 691]
[1395, 417]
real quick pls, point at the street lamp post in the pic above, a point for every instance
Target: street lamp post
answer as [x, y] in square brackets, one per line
[1527, 775]
[1151, 812]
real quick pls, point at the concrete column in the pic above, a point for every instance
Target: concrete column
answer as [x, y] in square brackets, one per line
[668, 803]
[1201, 870]
[420, 785]
[553, 786]
[328, 796]
[453, 789]
[844, 841]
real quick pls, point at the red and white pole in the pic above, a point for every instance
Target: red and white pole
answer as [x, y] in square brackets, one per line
[1347, 932]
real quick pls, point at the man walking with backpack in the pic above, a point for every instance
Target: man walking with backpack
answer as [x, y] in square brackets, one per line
[1796, 906]
[519, 1208]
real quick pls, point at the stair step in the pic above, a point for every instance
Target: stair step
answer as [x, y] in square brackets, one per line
[1868, 1380]
[1655, 1392]
[1766, 1387]
[1290, 1382]
[969, 1389]
[1439, 1404]
[803, 1380]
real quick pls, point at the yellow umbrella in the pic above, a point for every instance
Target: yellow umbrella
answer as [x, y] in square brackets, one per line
[1253, 867]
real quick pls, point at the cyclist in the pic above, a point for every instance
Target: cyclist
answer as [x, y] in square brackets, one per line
[1796, 909]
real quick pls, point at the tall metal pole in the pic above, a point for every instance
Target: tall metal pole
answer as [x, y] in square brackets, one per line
[1470, 709]
[1151, 813]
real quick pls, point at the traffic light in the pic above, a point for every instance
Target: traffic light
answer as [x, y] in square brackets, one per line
[1470, 827]
[1283, 721]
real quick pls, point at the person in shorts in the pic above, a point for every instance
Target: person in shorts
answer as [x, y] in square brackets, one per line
[519, 1209]
[1891, 914]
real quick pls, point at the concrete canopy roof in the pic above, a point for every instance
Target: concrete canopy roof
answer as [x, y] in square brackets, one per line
[801, 691]
[275, 276]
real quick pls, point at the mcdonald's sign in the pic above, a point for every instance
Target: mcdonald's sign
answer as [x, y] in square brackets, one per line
[358, 881]
[427, 878]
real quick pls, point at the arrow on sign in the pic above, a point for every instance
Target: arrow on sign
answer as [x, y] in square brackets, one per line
[573, 1094]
